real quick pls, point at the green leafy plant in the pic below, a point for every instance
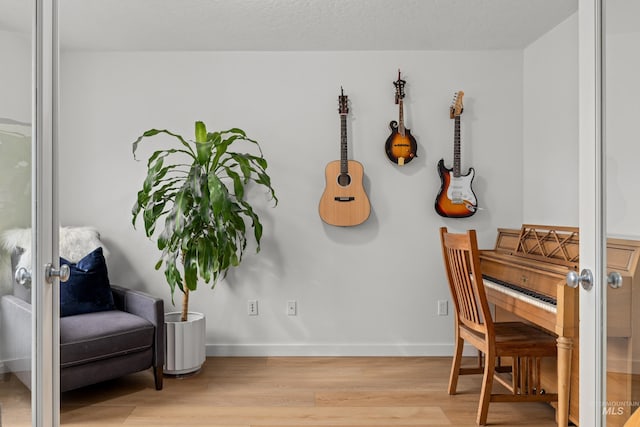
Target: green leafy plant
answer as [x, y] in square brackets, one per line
[200, 195]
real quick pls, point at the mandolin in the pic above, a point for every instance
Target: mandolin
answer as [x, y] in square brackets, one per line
[344, 202]
[456, 198]
[401, 146]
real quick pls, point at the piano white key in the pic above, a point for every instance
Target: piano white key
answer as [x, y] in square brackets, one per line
[520, 296]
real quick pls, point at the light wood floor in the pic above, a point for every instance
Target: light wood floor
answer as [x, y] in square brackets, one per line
[284, 391]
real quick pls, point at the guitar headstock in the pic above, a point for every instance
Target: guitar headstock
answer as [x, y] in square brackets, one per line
[343, 103]
[399, 84]
[456, 105]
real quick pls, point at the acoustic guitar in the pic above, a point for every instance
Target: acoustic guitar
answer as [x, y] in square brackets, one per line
[344, 202]
[401, 146]
[456, 198]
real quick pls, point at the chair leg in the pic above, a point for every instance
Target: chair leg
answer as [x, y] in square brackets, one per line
[487, 384]
[158, 374]
[455, 366]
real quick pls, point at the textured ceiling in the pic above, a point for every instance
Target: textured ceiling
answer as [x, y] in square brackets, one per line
[298, 24]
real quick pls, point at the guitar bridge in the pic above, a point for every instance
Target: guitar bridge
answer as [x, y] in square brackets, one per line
[344, 199]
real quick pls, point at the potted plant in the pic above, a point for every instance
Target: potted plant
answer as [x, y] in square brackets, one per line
[197, 191]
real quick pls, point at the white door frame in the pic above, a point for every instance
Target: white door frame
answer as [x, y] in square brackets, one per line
[45, 389]
[591, 217]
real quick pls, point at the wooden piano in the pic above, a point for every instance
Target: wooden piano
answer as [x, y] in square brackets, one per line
[525, 277]
[623, 323]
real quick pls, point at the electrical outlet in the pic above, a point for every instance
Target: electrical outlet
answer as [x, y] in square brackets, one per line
[292, 308]
[443, 308]
[252, 307]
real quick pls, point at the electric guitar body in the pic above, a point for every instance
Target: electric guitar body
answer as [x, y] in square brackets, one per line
[344, 202]
[456, 198]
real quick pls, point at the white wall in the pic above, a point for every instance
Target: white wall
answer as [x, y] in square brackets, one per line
[621, 130]
[371, 289]
[15, 139]
[15, 170]
[15, 76]
[550, 127]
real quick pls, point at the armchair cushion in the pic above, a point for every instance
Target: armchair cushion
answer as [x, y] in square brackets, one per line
[91, 337]
[87, 289]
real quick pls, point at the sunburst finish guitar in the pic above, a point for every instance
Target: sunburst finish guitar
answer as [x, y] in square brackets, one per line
[401, 146]
[456, 198]
[344, 202]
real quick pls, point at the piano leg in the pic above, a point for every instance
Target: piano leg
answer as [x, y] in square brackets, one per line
[565, 346]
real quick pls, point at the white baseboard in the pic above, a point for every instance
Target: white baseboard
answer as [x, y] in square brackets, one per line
[371, 350]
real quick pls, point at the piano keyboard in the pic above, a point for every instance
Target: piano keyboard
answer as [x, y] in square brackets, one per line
[544, 302]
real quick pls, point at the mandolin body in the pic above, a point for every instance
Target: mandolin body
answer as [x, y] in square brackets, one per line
[400, 149]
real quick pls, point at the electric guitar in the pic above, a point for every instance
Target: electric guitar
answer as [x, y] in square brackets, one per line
[344, 202]
[456, 198]
[401, 146]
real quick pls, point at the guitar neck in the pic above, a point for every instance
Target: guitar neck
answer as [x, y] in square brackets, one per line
[456, 147]
[344, 163]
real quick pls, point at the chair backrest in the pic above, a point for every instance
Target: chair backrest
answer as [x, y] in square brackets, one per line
[462, 265]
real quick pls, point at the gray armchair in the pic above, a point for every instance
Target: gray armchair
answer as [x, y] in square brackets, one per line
[94, 346]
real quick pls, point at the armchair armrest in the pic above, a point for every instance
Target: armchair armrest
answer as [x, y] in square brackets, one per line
[149, 308]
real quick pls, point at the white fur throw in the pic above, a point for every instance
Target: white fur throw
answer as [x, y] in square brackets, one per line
[75, 243]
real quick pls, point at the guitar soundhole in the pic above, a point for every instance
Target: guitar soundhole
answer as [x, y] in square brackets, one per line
[344, 179]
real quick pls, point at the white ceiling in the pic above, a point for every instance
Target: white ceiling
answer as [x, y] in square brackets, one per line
[298, 24]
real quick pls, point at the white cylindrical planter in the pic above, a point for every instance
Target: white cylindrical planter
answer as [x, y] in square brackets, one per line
[184, 343]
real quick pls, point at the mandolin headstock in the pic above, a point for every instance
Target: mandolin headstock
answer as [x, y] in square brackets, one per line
[456, 108]
[399, 84]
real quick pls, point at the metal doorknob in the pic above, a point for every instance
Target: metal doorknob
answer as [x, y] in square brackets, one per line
[62, 273]
[614, 280]
[585, 279]
[23, 277]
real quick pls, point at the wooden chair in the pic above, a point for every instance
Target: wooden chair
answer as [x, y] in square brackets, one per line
[523, 343]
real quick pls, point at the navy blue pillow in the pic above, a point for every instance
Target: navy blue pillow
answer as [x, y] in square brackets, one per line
[87, 289]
